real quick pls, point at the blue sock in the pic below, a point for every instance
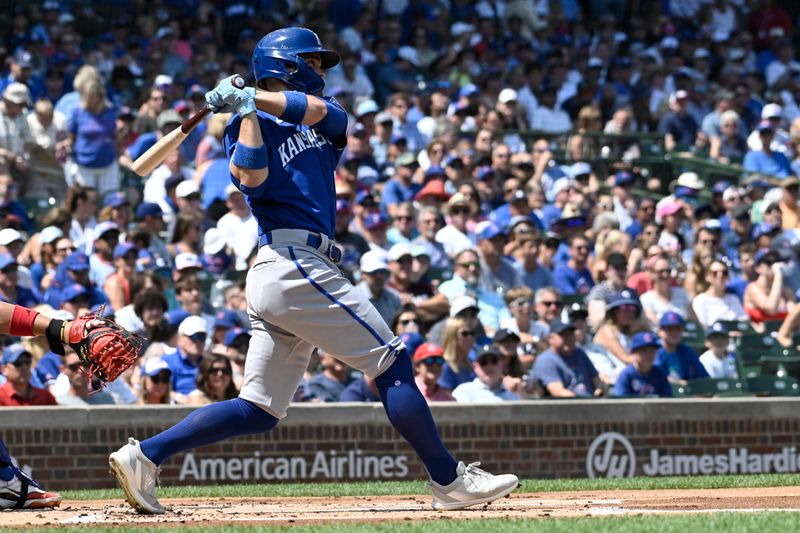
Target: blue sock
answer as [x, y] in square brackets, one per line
[6, 473]
[5, 457]
[409, 414]
[208, 425]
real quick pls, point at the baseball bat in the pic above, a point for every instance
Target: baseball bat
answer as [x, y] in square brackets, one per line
[156, 154]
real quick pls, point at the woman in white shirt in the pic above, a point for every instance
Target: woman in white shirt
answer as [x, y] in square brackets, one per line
[715, 304]
[663, 296]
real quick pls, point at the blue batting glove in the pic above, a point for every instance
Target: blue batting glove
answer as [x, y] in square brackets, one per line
[247, 101]
[217, 103]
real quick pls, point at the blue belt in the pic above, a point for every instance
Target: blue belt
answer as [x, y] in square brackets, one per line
[313, 240]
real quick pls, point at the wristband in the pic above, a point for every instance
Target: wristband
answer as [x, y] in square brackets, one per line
[22, 320]
[296, 105]
[55, 336]
[249, 157]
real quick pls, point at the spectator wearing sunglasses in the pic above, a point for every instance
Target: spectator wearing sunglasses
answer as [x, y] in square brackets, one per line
[716, 303]
[214, 381]
[664, 296]
[428, 363]
[155, 386]
[17, 390]
[78, 393]
[622, 321]
[574, 277]
[184, 360]
[767, 298]
[564, 370]
[458, 341]
[456, 236]
[487, 386]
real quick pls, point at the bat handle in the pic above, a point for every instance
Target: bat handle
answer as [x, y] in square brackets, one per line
[190, 123]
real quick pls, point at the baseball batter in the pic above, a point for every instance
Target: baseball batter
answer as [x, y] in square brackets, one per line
[283, 145]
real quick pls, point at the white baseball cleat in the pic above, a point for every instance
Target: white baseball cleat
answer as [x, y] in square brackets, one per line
[138, 477]
[22, 492]
[472, 486]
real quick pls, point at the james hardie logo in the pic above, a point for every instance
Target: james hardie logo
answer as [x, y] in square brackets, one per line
[610, 455]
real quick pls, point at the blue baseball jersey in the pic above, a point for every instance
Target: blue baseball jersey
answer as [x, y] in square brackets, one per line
[299, 191]
[631, 382]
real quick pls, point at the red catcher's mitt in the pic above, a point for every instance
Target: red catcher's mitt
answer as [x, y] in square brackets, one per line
[105, 351]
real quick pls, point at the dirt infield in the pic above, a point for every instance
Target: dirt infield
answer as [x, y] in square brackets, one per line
[397, 508]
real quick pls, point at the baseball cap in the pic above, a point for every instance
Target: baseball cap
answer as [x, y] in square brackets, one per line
[76, 261]
[740, 211]
[213, 241]
[9, 235]
[192, 325]
[433, 189]
[624, 297]
[400, 250]
[373, 261]
[486, 230]
[765, 255]
[50, 234]
[168, 117]
[413, 341]
[594, 62]
[576, 308]
[468, 90]
[461, 304]
[717, 328]
[365, 107]
[17, 93]
[720, 187]
[12, 352]
[73, 291]
[383, 117]
[186, 260]
[771, 111]
[427, 349]
[122, 249]
[173, 181]
[668, 208]
[764, 228]
[764, 126]
[375, 221]
[195, 89]
[115, 199]
[486, 349]
[623, 178]
[434, 170]
[226, 318]
[408, 53]
[154, 366]
[103, 228]
[406, 159]
[148, 209]
[559, 326]
[342, 204]
[580, 168]
[503, 335]
[507, 95]
[644, 339]
[521, 220]
[186, 188]
[363, 196]
[7, 259]
[232, 335]
[176, 316]
[790, 181]
[671, 318]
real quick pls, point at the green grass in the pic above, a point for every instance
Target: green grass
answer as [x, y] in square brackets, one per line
[388, 488]
[724, 522]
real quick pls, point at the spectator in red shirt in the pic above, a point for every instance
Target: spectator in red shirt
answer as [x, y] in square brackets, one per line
[17, 390]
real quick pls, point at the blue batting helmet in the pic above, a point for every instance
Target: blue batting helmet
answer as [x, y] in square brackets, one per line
[279, 55]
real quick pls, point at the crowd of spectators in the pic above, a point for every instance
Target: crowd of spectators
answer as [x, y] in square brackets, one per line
[491, 199]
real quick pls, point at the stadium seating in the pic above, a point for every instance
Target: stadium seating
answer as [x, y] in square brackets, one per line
[773, 386]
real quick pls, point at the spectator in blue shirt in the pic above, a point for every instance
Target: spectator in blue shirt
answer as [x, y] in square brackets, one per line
[185, 360]
[766, 161]
[675, 359]
[565, 371]
[574, 277]
[328, 385]
[10, 291]
[678, 125]
[400, 188]
[92, 131]
[642, 378]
